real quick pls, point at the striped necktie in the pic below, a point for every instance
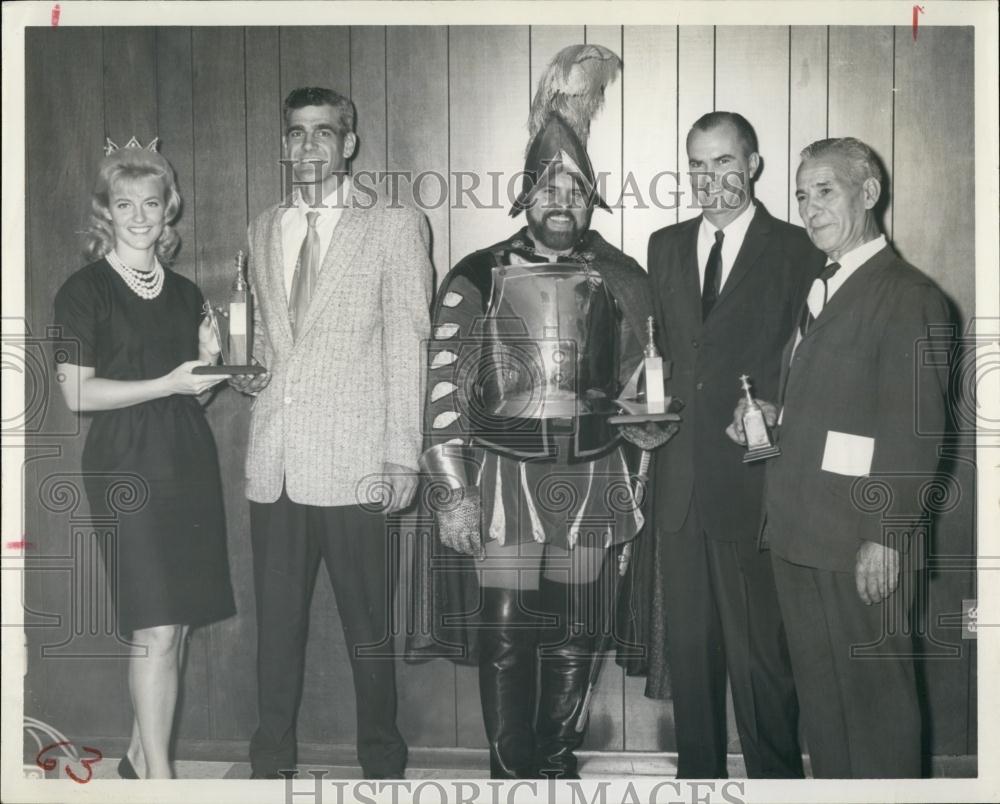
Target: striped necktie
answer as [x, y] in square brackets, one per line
[304, 278]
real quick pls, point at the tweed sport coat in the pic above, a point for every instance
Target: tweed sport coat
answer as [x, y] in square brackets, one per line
[345, 397]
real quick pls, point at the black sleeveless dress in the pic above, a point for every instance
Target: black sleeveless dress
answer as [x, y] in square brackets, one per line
[151, 468]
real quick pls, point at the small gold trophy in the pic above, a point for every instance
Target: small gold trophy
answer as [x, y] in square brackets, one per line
[759, 444]
[233, 328]
[656, 406]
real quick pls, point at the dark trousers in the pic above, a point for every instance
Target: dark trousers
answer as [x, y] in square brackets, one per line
[722, 613]
[854, 670]
[288, 541]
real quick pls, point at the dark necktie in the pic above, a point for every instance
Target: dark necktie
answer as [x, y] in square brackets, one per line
[304, 278]
[808, 318]
[713, 276]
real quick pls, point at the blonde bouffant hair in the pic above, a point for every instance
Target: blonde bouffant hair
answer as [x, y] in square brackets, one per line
[129, 165]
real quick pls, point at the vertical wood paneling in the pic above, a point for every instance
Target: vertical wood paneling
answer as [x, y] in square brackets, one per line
[264, 123]
[649, 131]
[129, 105]
[316, 57]
[751, 77]
[174, 127]
[63, 146]
[219, 205]
[934, 159]
[487, 124]
[934, 155]
[605, 144]
[418, 119]
[368, 88]
[808, 102]
[695, 97]
[861, 90]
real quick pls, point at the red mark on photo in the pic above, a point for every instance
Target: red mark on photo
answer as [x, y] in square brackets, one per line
[50, 763]
[917, 11]
[22, 545]
[55, 15]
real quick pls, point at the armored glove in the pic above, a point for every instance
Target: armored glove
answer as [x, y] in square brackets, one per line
[650, 435]
[459, 522]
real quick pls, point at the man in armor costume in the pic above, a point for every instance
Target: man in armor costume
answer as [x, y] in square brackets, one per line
[533, 340]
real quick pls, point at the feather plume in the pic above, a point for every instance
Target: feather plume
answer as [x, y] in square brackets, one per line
[573, 87]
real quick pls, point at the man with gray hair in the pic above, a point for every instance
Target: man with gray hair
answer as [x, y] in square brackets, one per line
[852, 383]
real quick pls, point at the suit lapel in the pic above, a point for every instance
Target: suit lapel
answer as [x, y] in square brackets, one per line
[347, 237]
[277, 291]
[854, 287]
[754, 243]
[690, 289]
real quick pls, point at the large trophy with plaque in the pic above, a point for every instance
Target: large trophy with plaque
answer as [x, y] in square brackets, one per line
[233, 328]
[642, 399]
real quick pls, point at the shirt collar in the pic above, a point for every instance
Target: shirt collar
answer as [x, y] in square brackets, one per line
[735, 230]
[851, 261]
[340, 193]
[859, 255]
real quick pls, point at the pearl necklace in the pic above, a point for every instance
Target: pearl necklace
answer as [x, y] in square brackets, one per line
[145, 284]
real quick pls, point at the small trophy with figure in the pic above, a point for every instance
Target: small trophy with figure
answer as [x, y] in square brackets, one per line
[759, 444]
[233, 328]
[648, 404]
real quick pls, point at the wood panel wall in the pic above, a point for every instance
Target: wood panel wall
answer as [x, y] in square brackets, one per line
[448, 100]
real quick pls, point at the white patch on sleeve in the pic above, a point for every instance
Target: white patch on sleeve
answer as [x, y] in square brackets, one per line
[442, 389]
[452, 299]
[445, 331]
[537, 529]
[443, 358]
[442, 420]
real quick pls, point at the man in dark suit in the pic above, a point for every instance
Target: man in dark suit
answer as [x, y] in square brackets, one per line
[727, 288]
[852, 384]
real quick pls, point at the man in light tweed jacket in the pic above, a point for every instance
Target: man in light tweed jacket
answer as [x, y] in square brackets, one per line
[342, 310]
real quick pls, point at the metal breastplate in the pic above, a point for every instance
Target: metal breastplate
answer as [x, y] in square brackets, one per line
[549, 368]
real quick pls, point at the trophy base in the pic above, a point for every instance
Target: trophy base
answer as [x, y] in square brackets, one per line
[228, 370]
[642, 418]
[761, 453]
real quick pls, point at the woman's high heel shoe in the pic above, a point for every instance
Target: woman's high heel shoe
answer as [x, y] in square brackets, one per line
[125, 769]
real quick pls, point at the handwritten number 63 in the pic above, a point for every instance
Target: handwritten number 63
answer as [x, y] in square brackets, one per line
[49, 763]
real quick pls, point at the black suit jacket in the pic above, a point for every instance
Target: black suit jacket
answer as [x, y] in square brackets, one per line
[744, 334]
[870, 367]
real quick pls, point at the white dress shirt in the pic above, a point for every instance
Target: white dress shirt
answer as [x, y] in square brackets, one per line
[850, 262]
[819, 297]
[735, 232]
[294, 225]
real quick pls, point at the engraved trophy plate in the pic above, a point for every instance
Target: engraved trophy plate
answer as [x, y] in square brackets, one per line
[233, 328]
[758, 436]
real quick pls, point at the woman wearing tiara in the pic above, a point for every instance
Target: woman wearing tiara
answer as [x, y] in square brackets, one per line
[149, 450]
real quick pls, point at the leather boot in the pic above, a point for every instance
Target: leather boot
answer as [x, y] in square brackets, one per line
[508, 642]
[566, 658]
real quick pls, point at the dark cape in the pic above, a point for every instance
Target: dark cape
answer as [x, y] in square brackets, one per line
[443, 591]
